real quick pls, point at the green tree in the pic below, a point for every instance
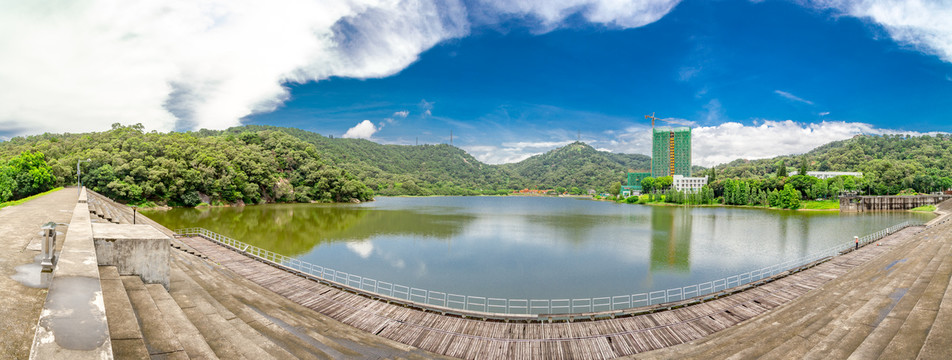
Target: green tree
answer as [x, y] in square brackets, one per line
[26, 174]
[781, 170]
[663, 182]
[789, 197]
[648, 184]
[615, 189]
[802, 183]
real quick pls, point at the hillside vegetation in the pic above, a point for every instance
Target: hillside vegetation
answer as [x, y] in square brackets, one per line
[403, 169]
[889, 163]
[253, 164]
[447, 170]
[577, 165]
[133, 166]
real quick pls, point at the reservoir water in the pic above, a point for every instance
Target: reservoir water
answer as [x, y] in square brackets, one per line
[533, 247]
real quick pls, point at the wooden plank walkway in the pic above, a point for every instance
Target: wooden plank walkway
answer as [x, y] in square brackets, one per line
[598, 339]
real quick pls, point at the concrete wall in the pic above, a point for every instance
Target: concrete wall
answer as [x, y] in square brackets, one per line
[888, 203]
[134, 250]
[73, 322]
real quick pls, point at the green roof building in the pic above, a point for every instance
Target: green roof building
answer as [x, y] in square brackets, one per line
[671, 151]
[634, 183]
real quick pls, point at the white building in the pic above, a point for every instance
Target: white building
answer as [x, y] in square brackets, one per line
[827, 174]
[688, 184]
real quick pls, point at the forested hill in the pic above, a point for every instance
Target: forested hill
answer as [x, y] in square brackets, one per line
[447, 170]
[402, 169]
[890, 163]
[577, 165]
[133, 166]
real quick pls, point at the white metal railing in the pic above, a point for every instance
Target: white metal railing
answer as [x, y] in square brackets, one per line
[502, 306]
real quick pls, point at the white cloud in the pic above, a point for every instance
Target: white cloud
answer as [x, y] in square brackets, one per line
[712, 145]
[825, 113]
[550, 14]
[363, 248]
[187, 64]
[363, 130]
[401, 114]
[426, 108]
[191, 64]
[792, 97]
[922, 24]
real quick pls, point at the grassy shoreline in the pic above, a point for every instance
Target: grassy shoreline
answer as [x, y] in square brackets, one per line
[810, 205]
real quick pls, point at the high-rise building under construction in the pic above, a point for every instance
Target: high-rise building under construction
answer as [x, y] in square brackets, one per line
[671, 151]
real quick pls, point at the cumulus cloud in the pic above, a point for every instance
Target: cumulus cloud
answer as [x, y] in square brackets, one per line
[363, 130]
[731, 140]
[192, 64]
[549, 14]
[922, 24]
[792, 97]
[188, 64]
[401, 114]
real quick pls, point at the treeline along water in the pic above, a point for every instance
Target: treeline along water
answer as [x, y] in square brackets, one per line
[533, 247]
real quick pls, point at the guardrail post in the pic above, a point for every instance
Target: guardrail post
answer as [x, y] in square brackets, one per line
[49, 245]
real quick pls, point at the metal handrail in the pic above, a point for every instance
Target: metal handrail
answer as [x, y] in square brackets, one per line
[502, 306]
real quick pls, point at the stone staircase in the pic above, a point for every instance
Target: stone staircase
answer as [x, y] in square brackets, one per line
[146, 321]
[903, 310]
[210, 312]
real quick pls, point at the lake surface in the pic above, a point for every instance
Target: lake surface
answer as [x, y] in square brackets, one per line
[533, 247]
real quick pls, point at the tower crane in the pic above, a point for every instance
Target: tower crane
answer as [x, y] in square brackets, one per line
[653, 118]
[672, 121]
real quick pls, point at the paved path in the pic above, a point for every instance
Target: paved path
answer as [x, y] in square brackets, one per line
[20, 305]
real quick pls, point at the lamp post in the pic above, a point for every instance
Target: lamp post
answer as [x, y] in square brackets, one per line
[79, 184]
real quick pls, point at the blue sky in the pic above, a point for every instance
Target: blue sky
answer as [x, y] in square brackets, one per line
[754, 78]
[705, 62]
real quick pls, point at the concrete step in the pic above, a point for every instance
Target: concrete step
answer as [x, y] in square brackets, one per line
[188, 335]
[907, 266]
[939, 340]
[216, 300]
[265, 333]
[160, 339]
[916, 284]
[912, 335]
[124, 332]
[219, 332]
[818, 323]
[850, 327]
[220, 345]
[849, 331]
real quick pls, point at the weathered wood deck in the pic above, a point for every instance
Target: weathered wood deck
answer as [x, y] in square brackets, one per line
[599, 339]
